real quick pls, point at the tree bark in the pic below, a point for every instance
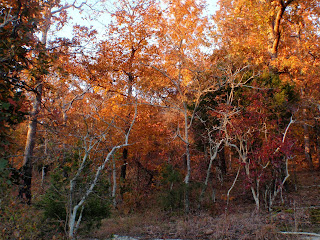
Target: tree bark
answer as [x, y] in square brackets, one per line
[26, 171]
[114, 186]
[221, 165]
[317, 131]
[307, 146]
[276, 33]
[306, 138]
[187, 178]
[275, 28]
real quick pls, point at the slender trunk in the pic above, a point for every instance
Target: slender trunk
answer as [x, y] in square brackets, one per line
[213, 154]
[187, 178]
[73, 210]
[26, 171]
[130, 81]
[221, 166]
[222, 161]
[25, 189]
[204, 188]
[114, 187]
[43, 169]
[43, 174]
[255, 192]
[306, 137]
[317, 131]
[232, 186]
[307, 146]
[205, 182]
[72, 221]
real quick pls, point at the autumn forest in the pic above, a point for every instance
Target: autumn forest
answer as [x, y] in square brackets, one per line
[169, 110]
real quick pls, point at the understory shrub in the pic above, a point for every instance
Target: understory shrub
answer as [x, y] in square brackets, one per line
[55, 202]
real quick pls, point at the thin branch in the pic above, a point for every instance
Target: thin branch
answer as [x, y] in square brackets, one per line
[232, 186]
[68, 6]
[285, 134]
[77, 97]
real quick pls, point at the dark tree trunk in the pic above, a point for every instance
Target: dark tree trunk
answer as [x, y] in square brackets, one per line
[306, 136]
[317, 132]
[222, 162]
[123, 171]
[124, 166]
[221, 166]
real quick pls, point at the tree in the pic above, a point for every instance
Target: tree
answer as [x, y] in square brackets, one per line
[19, 20]
[277, 35]
[258, 132]
[36, 81]
[85, 130]
[178, 69]
[131, 39]
[90, 142]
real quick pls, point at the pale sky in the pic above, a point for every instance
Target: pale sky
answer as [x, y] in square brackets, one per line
[86, 18]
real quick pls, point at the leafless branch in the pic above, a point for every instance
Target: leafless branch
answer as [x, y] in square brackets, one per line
[232, 186]
[68, 6]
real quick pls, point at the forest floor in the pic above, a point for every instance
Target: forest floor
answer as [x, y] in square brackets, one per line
[298, 212]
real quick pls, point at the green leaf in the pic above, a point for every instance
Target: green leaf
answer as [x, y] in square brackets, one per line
[5, 105]
[3, 164]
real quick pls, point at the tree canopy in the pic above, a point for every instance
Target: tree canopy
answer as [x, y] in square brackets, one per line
[168, 100]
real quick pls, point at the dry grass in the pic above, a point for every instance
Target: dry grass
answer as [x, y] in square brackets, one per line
[151, 225]
[241, 222]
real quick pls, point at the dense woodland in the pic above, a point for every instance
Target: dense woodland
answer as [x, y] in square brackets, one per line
[155, 112]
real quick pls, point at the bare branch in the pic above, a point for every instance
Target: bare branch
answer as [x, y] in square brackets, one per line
[68, 6]
[232, 186]
[285, 134]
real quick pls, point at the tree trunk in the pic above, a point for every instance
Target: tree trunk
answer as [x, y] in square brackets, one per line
[26, 171]
[317, 131]
[187, 178]
[114, 186]
[25, 188]
[276, 33]
[276, 30]
[307, 145]
[213, 154]
[306, 137]
[221, 165]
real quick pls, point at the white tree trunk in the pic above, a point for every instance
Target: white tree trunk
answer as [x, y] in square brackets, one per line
[73, 209]
[214, 148]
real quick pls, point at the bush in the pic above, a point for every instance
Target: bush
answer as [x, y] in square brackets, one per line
[172, 194]
[55, 202]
